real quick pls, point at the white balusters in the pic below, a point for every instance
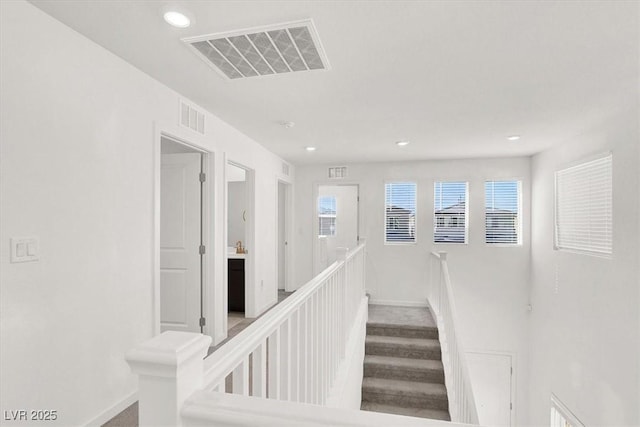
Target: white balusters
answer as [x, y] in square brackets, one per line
[294, 352]
[241, 378]
[259, 371]
[274, 365]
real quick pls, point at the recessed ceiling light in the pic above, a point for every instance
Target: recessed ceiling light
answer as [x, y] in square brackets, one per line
[402, 143]
[310, 148]
[513, 137]
[177, 19]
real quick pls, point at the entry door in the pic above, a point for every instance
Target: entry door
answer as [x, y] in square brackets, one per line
[337, 222]
[490, 376]
[180, 237]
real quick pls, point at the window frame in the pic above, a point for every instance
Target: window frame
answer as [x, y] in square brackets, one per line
[415, 214]
[608, 156]
[435, 219]
[520, 230]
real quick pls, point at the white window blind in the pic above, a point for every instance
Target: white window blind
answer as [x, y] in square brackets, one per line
[400, 212]
[450, 212]
[584, 212]
[502, 212]
[327, 212]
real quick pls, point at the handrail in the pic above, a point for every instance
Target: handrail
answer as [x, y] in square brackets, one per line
[462, 404]
[233, 351]
[304, 336]
[295, 352]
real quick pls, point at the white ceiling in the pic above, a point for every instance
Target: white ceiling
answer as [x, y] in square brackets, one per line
[455, 78]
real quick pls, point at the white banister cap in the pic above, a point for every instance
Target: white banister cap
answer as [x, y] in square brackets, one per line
[164, 354]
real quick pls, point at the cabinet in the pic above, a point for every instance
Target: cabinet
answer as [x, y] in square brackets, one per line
[235, 284]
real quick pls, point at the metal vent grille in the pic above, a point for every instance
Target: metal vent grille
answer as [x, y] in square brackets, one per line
[276, 49]
[191, 118]
[285, 169]
[338, 172]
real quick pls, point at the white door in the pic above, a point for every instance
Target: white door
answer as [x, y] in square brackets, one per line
[337, 222]
[180, 214]
[490, 376]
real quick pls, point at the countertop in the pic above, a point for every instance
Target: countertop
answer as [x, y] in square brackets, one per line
[236, 256]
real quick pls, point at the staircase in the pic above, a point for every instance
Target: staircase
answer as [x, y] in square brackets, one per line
[403, 372]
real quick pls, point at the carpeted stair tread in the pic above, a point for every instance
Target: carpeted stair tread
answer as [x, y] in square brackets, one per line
[400, 368]
[408, 394]
[417, 364]
[403, 347]
[399, 330]
[412, 388]
[433, 414]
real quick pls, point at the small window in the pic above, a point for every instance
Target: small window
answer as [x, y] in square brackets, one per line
[400, 212]
[584, 211]
[450, 212]
[326, 216]
[502, 212]
[561, 416]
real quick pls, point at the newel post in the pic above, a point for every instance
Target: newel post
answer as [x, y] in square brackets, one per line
[170, 369]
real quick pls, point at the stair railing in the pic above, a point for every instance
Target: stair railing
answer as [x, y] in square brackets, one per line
[294, 352]
[462, 407]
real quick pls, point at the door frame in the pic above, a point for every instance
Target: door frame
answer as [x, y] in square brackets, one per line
[314, 216]
[513, 378]
[250, 285]
[288, 208]
[198, 143]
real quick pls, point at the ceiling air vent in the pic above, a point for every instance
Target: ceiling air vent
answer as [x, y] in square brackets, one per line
[191, 117]
[262, 51]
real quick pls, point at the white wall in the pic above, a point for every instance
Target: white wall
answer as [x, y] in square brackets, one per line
[491, 284]
[585, 329]
[77, 153]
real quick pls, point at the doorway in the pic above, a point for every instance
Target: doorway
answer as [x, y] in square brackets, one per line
[336, 222]
[240, 248]
[182, 262]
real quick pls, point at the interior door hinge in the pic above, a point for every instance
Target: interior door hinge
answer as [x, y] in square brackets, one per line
[203, 177]
[203, 321]
[511, 406]
[202, 250]
[512, 371]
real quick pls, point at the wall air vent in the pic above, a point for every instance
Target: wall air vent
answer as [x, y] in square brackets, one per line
[191, 118]
[285, 169]
[339, 172]
[262, 51]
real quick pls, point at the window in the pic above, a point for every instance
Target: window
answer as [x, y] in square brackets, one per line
[584, 218]
[561, 416]
[502, 212]
[326, 216]
[400, 212]
[450, 212]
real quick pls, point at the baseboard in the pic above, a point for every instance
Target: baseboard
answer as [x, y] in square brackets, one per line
[114, 410]
[374, 301]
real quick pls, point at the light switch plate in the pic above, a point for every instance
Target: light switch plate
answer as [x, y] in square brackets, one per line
[24, 249]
